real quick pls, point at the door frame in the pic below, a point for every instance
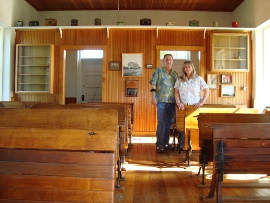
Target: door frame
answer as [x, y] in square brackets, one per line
[62, 69]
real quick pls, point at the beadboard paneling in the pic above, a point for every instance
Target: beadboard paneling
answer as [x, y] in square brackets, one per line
[122, 40]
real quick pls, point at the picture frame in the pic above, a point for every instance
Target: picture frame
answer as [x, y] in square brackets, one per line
[149, 66]
[114, 65]
[212, 81]
[228, 90]
[226, 78]
[132, 88]
[132, 64]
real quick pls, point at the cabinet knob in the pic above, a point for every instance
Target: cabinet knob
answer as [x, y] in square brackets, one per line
[91, 133]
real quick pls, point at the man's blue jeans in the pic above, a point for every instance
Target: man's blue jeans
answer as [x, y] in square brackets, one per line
[165, 116]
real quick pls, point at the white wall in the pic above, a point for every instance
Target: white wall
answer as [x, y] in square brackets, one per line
[180, 18]
[13, 10]
[252, 13]
[71, 73]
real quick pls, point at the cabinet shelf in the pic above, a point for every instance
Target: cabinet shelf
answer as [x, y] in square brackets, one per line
[34, 69]
[230, 52]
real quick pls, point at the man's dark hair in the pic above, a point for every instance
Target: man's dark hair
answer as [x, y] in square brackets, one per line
[167, 55]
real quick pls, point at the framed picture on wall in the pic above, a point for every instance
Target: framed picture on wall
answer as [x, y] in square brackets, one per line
[132, 88]
[114, 65]
[212, 81]
[132, 65]
[227, 91]
[226, 78]
[149, 66]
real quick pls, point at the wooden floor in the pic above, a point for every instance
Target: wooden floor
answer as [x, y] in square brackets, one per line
[152, 177]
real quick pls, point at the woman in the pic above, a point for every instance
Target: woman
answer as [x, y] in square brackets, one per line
[188, 88]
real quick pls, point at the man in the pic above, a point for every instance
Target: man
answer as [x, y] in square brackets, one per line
[162, 95]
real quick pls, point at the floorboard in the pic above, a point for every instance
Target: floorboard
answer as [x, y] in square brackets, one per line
[152, 177]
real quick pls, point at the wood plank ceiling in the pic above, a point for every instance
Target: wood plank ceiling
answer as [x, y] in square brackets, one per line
[173, 5]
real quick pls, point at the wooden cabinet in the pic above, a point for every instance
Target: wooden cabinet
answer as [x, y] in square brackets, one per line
[230, 52]
[34, 68]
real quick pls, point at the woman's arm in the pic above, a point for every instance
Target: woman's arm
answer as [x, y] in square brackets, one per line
[177, 99]
[203, 100]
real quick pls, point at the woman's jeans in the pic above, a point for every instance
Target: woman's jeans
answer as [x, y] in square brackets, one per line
[165, 116]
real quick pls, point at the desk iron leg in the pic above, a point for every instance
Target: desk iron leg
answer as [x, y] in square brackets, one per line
[119, 173]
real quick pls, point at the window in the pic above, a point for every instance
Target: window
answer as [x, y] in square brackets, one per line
[1, 60]
[91, 54]
[183, 55]
[266, 63]
[261, 67]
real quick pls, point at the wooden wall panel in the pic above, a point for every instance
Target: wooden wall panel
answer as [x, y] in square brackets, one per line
[131, 40]
[240, 79]
[180, 37]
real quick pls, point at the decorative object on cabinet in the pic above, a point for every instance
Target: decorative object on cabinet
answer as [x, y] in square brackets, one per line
[51, 22]
[145, 21]
[215, 24]
[114, 65]
[194, 23]
[132, 64]
[74, 22]
[170, 24]
[235, 24]
[230, 52]
[149, 66]
[212, 81]
[132, 87]
[226, 78]
[227, 91]
[20, 23]
[121, 23]
[97, 21]
[33, 23]
[34, 68]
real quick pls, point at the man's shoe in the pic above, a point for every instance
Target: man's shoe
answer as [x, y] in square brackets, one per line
[160, 150]
[169, 147]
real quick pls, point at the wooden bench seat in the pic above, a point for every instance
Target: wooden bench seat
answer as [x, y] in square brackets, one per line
[206, 122]
[124, 118]
[130, 115]
[58, 155]
[239, 148]
[122, 122]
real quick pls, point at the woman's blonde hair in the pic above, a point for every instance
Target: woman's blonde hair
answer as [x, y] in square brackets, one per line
[184, 75]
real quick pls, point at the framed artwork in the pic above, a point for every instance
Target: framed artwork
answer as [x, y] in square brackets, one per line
[227, 91]
[149, 66]
[132, 88]
[212, 81]
[226, 78]
[114, 65]
[132, 65]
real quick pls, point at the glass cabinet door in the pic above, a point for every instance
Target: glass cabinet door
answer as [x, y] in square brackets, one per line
[34, 68]
[230, 52]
